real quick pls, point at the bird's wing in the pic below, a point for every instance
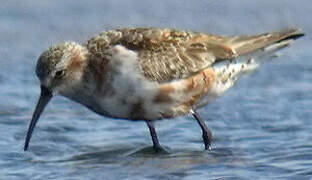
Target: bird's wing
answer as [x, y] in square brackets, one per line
[168, 54]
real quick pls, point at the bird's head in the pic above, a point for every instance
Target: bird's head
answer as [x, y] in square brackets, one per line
[59, 69]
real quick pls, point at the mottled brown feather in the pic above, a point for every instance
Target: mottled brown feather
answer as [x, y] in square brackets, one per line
[163, 96]
[75, 62]
[168, 54]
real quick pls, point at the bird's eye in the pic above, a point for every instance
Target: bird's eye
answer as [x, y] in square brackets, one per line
[59, 74]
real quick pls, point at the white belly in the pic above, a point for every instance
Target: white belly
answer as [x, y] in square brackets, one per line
[132, 96]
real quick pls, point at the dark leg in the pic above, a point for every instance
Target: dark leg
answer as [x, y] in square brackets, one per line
[156, 144]
[207, 135]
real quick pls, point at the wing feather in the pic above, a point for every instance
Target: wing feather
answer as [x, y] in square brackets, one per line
[168, 54]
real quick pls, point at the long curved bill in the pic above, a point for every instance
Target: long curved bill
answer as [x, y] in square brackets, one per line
[45, 97]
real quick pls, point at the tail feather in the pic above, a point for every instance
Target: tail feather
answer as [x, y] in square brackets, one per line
[252, 52]
[247, 44]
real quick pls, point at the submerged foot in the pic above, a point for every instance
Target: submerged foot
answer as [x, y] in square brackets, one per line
[151, 151]
[160, 150]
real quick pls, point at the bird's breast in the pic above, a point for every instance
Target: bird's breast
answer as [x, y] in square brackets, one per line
[128, 94]
[140, 99]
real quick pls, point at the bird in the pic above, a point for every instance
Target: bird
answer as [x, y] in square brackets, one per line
[149, 74]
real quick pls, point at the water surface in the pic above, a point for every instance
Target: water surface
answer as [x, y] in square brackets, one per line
[262, 126]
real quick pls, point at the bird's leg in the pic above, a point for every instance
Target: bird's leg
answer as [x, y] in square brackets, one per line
[156, 144]
[207, 135]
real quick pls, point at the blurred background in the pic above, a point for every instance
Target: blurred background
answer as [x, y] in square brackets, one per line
[261, 126]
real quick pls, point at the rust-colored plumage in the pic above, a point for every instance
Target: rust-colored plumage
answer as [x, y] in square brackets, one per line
[150, 73]
[167, 54]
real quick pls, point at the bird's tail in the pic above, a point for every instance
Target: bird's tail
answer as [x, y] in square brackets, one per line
[251, 51]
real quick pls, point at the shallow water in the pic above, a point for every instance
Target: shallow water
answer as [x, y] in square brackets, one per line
[262, 126]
